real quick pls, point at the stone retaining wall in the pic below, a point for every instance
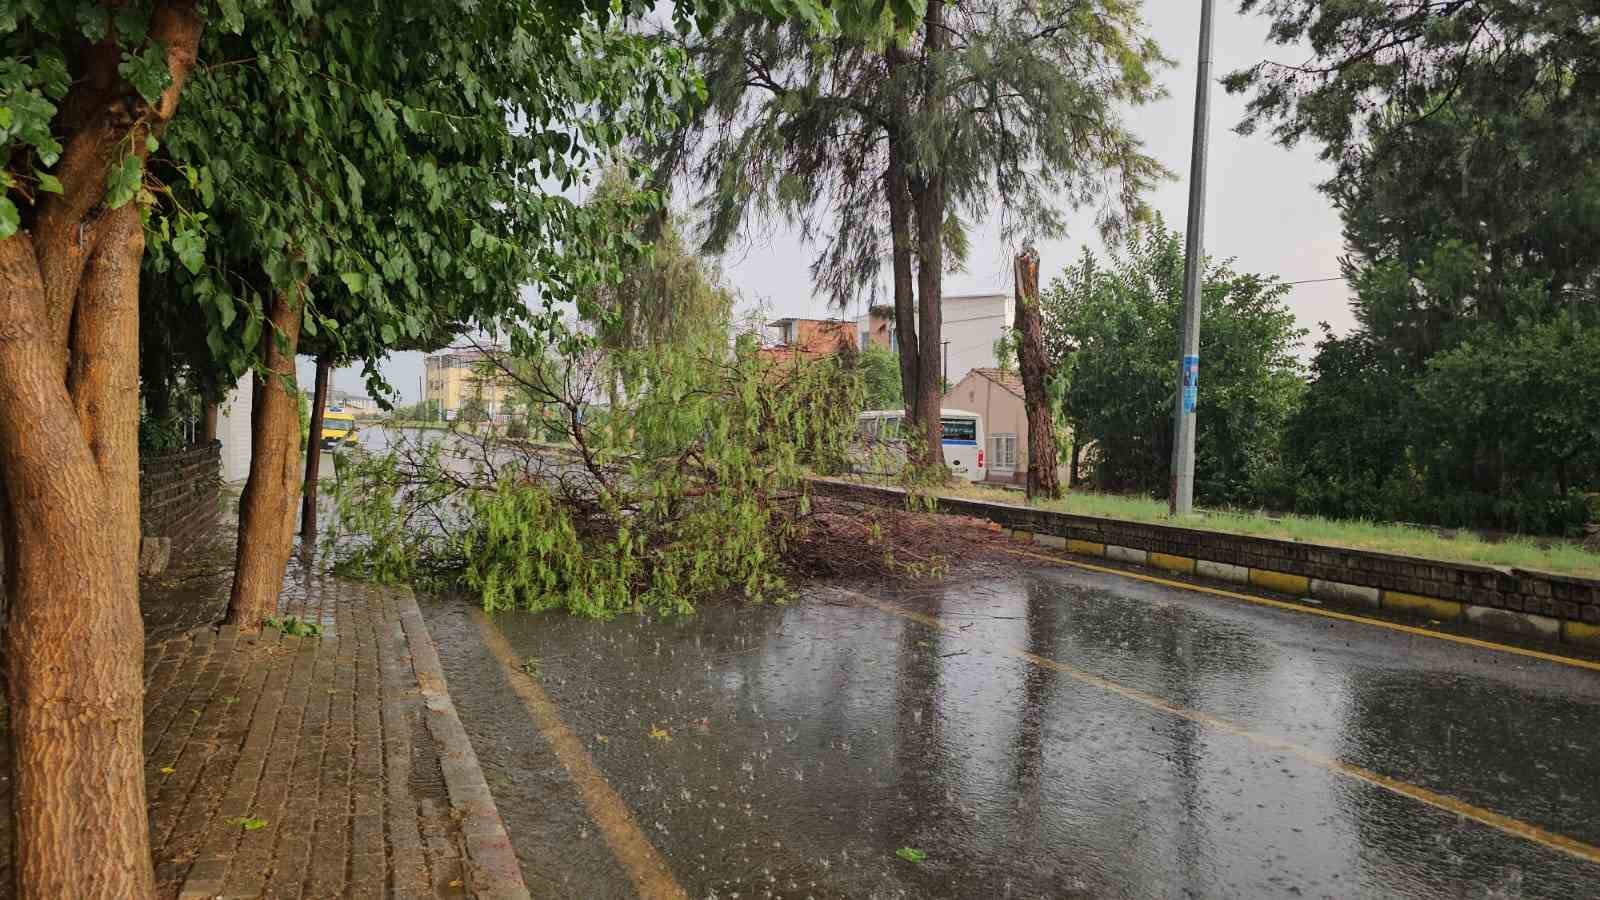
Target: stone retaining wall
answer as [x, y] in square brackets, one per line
[180, 493]
[1536, 603]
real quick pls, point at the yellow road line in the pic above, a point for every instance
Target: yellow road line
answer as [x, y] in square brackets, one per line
[1516, 827]
[1590, 664]
[649, 872]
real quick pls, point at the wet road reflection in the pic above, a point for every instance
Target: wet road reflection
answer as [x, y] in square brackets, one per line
[790, 751]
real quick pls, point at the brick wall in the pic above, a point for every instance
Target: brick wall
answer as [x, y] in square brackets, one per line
[180, 493]
[1340, 575]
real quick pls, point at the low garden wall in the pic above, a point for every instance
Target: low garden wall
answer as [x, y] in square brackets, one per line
[180, 494]
[1536, 603]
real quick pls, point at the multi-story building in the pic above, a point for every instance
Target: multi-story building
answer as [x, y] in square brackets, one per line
[460, 375]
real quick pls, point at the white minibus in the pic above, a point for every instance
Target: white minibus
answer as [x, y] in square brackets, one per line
[879, 431]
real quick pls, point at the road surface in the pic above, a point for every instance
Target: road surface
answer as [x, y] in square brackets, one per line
[1048, 732]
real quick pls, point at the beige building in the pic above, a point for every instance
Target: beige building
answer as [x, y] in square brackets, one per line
[461, 374]
[996, 395]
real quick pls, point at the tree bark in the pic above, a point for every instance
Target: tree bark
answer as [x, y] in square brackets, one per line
[1043, 480]
[208, 423]
[69, 419]
[319, 403]
[905, 298]
[930, 315]
[267, 506]
[897, 191]
[928, 192]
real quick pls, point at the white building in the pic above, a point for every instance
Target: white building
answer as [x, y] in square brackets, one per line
[973, 324]
[233, 430]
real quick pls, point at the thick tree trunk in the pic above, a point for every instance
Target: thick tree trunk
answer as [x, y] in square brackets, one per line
[319, 403]
[69, 418]
[1043, 480]
[208, 423]
[266, 509]
[928, 193]
[897, 191]
[75, 641]
[905, 298]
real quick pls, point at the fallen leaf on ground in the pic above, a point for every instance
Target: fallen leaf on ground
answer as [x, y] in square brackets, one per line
[660, 734]
[911, 854]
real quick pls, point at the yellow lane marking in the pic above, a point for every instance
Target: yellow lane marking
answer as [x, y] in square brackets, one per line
[1590, 664]
[610, 813]
[1516, 827]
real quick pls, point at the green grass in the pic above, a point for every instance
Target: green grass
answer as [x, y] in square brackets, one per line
[1559, 556]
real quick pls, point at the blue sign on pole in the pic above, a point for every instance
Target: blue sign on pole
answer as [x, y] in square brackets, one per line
[1191, 383]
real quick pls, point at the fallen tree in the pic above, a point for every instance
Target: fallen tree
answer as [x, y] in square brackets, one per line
[693, 487]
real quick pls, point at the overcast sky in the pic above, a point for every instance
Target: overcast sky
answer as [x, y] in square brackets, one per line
[1263, 207]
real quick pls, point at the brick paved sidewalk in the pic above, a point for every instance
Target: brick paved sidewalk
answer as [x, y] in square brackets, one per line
[317, 767]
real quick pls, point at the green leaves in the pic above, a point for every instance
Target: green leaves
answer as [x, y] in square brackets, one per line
[122, 181]
[190, 248]
[354, 282]
[9, 218]
[911, 854]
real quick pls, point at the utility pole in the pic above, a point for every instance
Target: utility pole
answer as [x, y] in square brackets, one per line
[945, 386]
[1181, 493]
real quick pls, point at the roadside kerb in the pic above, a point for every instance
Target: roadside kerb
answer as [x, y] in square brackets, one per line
[496, 871]
[1527, 602]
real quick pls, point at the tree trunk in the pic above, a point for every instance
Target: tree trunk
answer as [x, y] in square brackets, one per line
[928, 192]
[905, 298]
[1073, 476]
[208, 423]
[319, 402]
[897, 191]
[75, 641]
[69, 421]
[266, 509]
[1043, 480]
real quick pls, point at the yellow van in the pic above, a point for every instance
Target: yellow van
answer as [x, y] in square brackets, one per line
[338, 427]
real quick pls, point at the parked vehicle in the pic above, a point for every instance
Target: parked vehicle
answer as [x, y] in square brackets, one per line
[338, 427]
[881, 444]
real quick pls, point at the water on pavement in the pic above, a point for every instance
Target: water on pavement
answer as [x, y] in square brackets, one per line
[791, 751]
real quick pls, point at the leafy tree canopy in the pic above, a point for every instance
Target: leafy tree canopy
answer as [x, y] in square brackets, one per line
[1112, 331]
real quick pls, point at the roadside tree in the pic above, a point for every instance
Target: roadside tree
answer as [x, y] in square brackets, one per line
[885, 143]
[1112, 329]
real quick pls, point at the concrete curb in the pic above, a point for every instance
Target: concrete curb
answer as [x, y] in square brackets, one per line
[494, 868]
[1542, 605]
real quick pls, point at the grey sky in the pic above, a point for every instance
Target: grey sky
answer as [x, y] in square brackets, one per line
[1264, 208]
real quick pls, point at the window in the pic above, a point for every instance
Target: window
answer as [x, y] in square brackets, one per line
[960, 430]
[1003, 451]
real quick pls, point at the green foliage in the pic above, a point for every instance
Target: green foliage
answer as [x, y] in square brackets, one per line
[161, 435]
[294, 626]
[880, 377]
[689, 490]
[1113, 334]
[1464, 140]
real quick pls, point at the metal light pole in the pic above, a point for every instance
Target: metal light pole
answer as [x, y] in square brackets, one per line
[1181, 494]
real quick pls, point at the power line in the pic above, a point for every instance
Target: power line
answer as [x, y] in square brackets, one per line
[1316, 280]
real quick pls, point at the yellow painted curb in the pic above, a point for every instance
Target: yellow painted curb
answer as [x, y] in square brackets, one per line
[1282, 582]
[1087, 548]
[1017, 534]
[1580, 633]
[1432, 607]
[1172, 563]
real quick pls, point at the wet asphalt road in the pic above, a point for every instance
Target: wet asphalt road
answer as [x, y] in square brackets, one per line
[1181, 745]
